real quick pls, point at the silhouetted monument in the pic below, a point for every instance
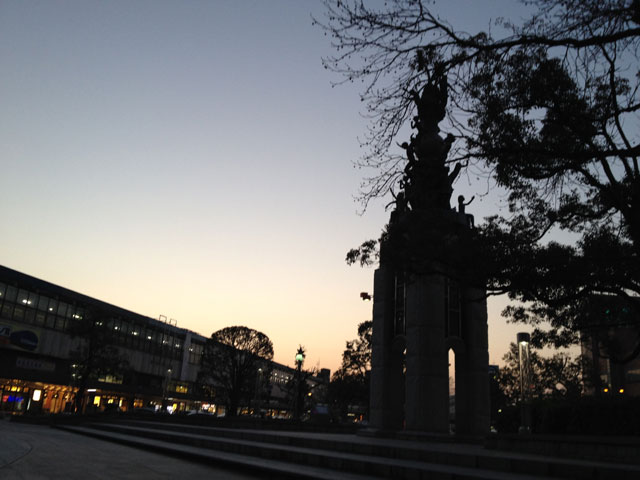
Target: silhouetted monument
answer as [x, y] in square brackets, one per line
[425, 303]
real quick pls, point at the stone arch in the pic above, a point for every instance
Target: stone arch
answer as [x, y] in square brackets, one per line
[456, 344]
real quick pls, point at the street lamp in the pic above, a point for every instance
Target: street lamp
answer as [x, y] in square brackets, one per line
[298, 401]
[524, 360]
[300, 357]
[258, 393]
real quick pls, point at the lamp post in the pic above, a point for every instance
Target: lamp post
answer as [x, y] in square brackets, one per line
[298, 402]
[258, 393]
[165, 389]
[524, 360]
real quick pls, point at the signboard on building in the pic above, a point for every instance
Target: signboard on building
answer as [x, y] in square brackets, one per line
[34, 364]
[18, 337]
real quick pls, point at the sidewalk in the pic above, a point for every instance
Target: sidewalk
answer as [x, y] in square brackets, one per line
[36, 452]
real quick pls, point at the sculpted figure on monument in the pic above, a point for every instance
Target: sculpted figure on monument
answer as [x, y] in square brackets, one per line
[427, 180]
[422, 213]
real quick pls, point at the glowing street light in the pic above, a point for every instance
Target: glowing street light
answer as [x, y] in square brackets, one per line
[300, 356]
[524, 360]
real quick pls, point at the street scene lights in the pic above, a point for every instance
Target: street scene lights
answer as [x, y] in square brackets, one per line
[524, 360]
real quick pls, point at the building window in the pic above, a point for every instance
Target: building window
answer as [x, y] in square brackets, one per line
[62, 309]
[39, 319]
[109, 378]
[18, 312]
[195, 353]
[43, 302]
[12, 293]
[7, 310]
[53, 306]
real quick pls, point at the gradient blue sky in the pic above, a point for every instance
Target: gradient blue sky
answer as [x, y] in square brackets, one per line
[191, 159]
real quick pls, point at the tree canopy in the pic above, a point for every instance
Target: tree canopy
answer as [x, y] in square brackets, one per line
[94, 353]
[350, 383]
[557, 376]
[547, 112]
[236, 361]
[356, 357]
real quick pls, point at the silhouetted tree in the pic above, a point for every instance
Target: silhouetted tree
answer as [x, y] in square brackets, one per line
[231, 360]
[350, 383]
[356, 358]
[548, 112]
[557, 376]
[94, 353]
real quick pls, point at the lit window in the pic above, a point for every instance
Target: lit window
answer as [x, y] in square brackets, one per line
[181, 388]
[134, 333]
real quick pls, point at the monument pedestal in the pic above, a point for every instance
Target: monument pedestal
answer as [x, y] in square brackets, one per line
[409, 371]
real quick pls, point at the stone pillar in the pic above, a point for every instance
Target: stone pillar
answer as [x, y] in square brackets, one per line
[386, 399]
[472, 367]
[427, 379]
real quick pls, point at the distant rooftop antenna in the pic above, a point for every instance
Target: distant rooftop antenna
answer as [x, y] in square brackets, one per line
[169, 321]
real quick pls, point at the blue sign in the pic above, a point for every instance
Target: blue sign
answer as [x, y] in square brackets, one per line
[24, 339]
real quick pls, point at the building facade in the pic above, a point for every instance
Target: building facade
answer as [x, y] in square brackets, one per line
[45, 348]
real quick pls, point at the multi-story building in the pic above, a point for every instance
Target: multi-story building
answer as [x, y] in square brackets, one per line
[42, 346]
[610, 341]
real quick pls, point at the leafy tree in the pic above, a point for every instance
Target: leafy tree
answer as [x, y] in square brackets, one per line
[230, 362]
[548, 112]
[356, 358]
[94, 354]
[350, 383]
[557, 376]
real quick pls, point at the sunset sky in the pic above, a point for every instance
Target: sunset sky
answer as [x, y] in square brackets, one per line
[191, 159]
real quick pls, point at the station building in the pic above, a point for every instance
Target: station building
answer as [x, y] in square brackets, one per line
[39, 341]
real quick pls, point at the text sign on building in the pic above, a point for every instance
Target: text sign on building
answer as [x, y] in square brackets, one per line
[32, 364]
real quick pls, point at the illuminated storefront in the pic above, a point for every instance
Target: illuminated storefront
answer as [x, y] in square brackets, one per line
[18, 397]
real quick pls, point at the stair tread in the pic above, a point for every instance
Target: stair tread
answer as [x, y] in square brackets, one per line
[458, 471]
[260, 464]
[449, 449]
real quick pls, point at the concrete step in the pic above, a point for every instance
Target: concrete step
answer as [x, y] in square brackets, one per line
[261, 468]
[435, 453]
[285, 459]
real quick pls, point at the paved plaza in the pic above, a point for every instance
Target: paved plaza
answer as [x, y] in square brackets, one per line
[38, 452]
